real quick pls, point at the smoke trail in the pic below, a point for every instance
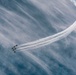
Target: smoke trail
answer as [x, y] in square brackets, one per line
[47, 40]
[44, 39]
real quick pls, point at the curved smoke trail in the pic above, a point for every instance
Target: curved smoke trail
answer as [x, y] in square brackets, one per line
[47, 40]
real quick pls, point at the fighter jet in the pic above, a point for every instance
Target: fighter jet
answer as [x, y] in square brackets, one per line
[14, 48]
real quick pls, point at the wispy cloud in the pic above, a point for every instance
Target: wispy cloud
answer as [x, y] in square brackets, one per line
[74, 1]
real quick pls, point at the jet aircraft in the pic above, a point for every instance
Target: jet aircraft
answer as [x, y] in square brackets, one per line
[14, 48]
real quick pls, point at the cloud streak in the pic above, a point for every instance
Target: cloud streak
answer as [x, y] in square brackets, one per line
[74, 1]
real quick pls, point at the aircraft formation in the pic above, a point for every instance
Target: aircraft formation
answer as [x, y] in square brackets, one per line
[45, 41]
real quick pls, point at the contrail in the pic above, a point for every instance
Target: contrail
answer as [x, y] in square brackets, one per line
[47, 40]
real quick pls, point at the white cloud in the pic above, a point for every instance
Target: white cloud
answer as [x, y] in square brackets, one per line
[74, 1]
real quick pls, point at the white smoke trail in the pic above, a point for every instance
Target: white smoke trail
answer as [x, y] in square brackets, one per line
[47, 40]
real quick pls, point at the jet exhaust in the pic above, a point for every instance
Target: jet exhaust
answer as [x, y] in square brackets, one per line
[46, 40]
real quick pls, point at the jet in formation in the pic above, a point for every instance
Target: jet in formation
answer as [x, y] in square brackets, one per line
[14, 48]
